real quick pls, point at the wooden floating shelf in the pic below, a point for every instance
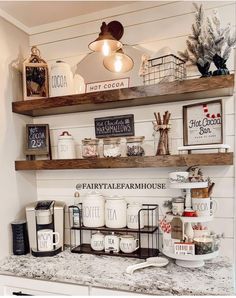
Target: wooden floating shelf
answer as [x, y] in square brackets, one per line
[200, 88]
[207, 159]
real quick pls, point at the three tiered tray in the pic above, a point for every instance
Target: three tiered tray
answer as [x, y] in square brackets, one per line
[190, 261]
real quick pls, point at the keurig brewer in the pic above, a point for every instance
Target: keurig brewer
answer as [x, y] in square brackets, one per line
[45, 221]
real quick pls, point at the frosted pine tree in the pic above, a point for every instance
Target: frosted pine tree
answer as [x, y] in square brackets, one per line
[222, 42]
[199, 46]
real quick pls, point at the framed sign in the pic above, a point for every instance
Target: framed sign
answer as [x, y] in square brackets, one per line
[203, 123]
[114, 126]
[37, 139]
[107, 85]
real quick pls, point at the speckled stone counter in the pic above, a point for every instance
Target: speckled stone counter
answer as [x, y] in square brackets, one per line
[215, 278]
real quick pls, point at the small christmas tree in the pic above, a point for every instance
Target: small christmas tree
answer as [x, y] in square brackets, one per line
[199, 45]
[222, 42]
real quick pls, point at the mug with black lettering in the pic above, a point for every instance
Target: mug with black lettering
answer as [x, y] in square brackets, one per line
[204, 206]
[45, 239]
[128, 244]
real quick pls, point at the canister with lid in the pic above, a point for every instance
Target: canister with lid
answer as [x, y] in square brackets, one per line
[111, 147]
[115, 212]
[93, 210]
[178, 206]
[134, 215]
[135, 146]
[112, 243]
[61, 79]
[90, 148]
[66, 146]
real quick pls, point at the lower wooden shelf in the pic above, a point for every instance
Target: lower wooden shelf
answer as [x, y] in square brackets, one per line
[143, 252]
[205, 159]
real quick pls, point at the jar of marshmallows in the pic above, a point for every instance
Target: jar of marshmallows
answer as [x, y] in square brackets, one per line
[111, 147]
[90, 148]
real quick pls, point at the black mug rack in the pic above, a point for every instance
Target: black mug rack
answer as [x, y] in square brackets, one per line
[148, 236]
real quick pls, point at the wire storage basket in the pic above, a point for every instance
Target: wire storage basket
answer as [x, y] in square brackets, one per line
[166, 68]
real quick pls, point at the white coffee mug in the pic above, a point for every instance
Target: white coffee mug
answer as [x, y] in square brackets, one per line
[128, 244]
[204, 206]
[45, 239]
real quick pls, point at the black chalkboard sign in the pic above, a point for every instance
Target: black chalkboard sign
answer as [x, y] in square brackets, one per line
[114, 126]
[37, 139]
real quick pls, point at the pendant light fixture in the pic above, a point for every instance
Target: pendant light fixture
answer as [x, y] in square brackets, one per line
[118, 62]
[108, 39]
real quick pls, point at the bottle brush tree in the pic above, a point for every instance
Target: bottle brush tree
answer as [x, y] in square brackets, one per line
[222, 41]
[199, 46]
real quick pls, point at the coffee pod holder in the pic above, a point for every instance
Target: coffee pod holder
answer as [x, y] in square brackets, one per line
[148, 236]
[188, 260]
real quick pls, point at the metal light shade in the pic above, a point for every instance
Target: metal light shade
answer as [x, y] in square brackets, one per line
[118, 62]
[106, 42]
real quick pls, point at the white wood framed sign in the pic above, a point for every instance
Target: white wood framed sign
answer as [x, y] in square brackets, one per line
[203, 123]
[107, 85]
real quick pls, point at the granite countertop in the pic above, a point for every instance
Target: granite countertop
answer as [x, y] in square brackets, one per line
[215, 278]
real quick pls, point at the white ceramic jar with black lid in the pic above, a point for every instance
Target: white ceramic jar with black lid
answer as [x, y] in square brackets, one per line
[66, 146]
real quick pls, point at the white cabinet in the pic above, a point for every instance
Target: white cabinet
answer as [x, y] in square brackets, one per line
[17, 286]
[105, 292]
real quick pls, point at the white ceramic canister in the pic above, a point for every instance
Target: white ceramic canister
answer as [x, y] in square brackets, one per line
[112, 243]
[133, 214]
[93, 210]
[97, 241]
[115, 212]
[61, 79]
[66, 146]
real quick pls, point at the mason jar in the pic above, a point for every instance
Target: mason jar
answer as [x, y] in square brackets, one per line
[178, 206]
[90, 148]
[111, 147]
[135, 146]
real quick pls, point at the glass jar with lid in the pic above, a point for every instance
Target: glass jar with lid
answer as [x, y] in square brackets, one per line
[111, 147]
[135, 146]
[90, 148]
[178, 206]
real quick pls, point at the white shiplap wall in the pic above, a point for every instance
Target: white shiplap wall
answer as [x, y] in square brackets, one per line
[148, 27]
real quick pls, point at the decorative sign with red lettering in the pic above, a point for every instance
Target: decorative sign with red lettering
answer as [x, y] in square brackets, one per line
[107, 85]
[203, 123]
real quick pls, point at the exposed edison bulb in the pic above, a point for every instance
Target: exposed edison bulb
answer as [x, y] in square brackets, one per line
[118, 64]
[106, 48]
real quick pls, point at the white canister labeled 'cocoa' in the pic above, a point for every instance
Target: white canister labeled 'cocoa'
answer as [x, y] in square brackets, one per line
[61, 79]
